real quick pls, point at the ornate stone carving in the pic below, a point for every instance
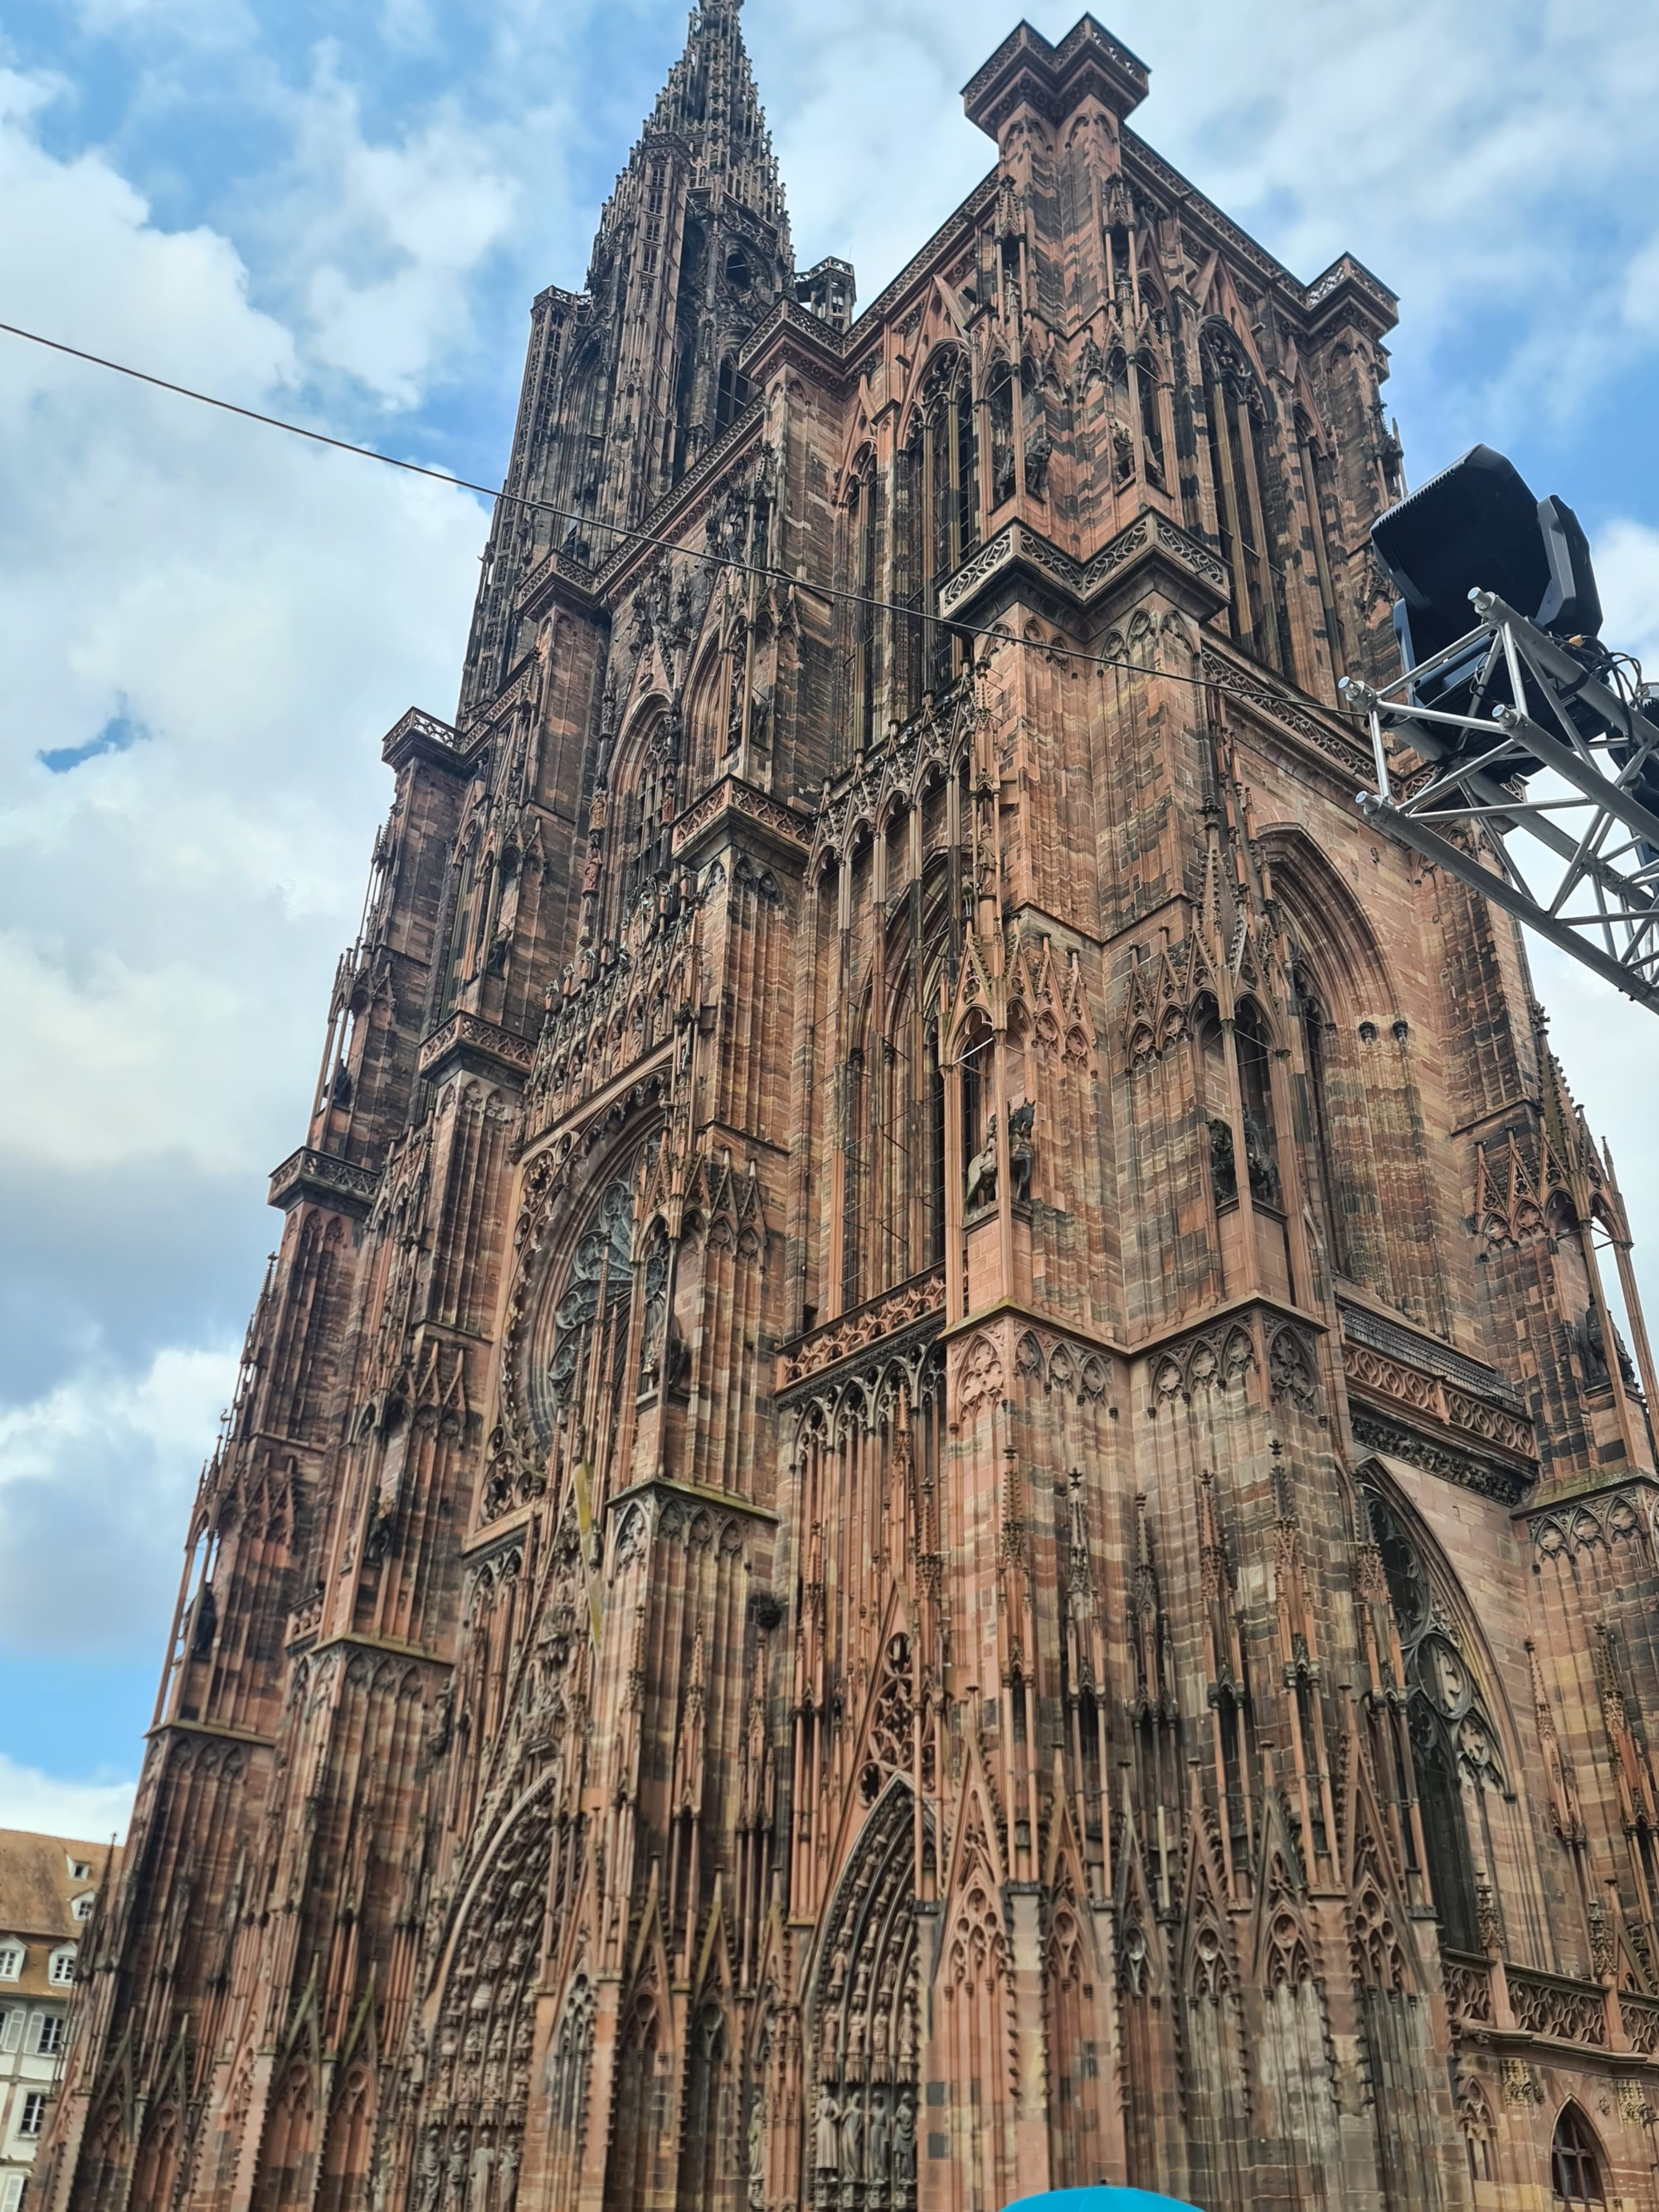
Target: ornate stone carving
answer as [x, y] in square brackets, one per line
[324, 1180]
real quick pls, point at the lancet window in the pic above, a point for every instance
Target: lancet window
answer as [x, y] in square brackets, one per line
[1256, 1098]
[1316, 1039]
[864, 574]
[708, 2144]
[1575, 2169]
[909, 577]
[1316, 490]
[570, 2071]
[1122, 437]
[853, 1170]
[732, 395]
[1247, 501]
[598, 1340]
[1257, 1118]
[1376, 1222]
[939, 516]
[636, 2177]
[649, 796]
[891, 1133]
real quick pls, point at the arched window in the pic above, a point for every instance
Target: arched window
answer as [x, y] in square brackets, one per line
[1316, 483]
[1242, 476]
[863, 550]
[1151, 423]
[853, 1170]
[1575, 2170]
[1441, 1702]
[950, 463]
[1316, 1034]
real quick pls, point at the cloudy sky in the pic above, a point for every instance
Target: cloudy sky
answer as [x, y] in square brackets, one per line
[342, 213]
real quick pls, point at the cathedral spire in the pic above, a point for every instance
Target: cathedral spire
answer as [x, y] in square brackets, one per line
[710, 101]
[693, 253]
[628, 381]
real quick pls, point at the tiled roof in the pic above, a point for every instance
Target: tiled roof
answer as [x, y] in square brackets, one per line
[37, 1890]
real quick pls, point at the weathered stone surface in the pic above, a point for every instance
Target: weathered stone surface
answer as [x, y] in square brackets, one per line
[934, 1493]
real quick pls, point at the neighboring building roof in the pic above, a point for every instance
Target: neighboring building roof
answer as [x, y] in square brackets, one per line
[39, 1888]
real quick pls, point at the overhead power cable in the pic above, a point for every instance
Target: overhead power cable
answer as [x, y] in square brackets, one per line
[621, 530]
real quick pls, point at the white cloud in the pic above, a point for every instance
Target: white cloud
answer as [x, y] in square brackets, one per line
[1627, 571]
[96, 1479]
[389, 236]
[170, 913]
[89, 1811]
[264, 609]
[1641, 297]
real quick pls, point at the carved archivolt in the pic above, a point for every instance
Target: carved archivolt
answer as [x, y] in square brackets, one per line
[864, 2021]
[478, 2077]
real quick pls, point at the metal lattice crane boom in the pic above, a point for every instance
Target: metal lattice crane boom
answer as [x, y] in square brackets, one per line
[1514, 742]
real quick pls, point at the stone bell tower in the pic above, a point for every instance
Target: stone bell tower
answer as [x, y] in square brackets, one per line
[937, 1492]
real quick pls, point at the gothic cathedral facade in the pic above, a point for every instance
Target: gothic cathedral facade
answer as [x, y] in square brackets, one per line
[936, 1493]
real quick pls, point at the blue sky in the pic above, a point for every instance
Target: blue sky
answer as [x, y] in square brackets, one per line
[344, 212]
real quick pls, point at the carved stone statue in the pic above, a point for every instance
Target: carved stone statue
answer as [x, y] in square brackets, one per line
[904, 2143]
[880, 2146]
[1596, 1351]
[982, 1170]
[756, 2188]
[1259, 1159]
[826, 2134]
[852, 2140]
[1224, 1169]
[1020, 1150]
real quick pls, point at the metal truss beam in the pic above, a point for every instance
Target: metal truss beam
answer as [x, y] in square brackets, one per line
[1546, 752]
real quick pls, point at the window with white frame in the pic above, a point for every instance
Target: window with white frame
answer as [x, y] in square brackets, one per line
[79, 1870]
[62, 1970]
[11, 2192]
[82, 1906]
[48, 2036]
[11, 2031]
[11, 1957]
[34, 2114]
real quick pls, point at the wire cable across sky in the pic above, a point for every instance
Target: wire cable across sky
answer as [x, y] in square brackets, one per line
[618, 530]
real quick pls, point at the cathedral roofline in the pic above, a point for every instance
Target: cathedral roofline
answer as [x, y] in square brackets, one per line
[1026, 69]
